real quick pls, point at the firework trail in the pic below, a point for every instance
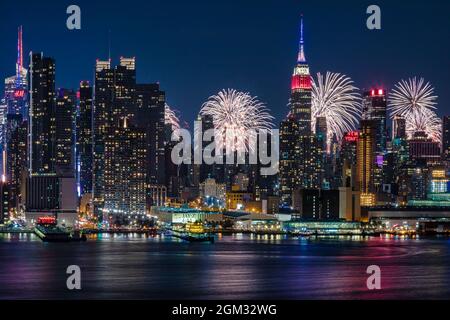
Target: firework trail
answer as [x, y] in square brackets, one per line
[335, 98]
[237, 114]
[171, 118]
[415, 101]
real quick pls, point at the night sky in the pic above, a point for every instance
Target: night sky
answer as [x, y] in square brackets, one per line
[196, 48]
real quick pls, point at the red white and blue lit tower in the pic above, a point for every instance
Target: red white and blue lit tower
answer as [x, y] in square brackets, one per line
[301, 91]
[300, 154]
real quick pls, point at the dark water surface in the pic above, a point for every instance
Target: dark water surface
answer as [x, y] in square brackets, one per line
[235, 267]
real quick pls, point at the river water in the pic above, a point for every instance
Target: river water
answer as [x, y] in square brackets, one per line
[234, 267]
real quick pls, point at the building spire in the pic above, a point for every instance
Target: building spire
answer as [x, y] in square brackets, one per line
[301, 53]
[19, 65]
[109, 45]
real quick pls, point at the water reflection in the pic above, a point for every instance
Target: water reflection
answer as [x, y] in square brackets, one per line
[238, 266]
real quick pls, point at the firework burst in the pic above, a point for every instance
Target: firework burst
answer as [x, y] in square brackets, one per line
[415, 101]
[412, 96]
[335, 98]
[425, 121]
[238, 115]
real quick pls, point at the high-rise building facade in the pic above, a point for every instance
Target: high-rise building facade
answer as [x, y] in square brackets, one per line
[322, 131]
[50, 186]
[125, 173]
[375, 109]
[366, 162]
[65, 132]
[208, 171]
[104, 94]
[125, 115]
[124, 91]
[85, 138]
[150, 115]
[348, 160]
[4, 202]
[3, 133]
[423, 148]
[288, 176]
[300, 150]
[16, 159]
[399, 127]
[42, 118]
[15, 101]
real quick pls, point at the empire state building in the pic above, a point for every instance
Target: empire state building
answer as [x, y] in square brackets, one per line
[300, 101]
[300, 152]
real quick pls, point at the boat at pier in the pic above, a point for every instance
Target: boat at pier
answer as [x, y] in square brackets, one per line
[193, 232]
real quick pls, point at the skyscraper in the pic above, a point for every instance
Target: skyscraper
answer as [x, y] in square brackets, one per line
[322, 131]
[16, 158]
[3, 124]
[208, 171]
[424, 148]
[65, 132]
[15, 101]
[400, 153]
[149, 115]
[300, 153]
[42, 125]
[16, 86]
[398, 127]
[124, 90]
[50, 183]
[4, 202]
[84, 139]
[288, 177]
[120, 139]
[125, 172]
[375, 109]
[348, 159]
[310, 162]
[301, 90]
[366, 162]
[104, 93]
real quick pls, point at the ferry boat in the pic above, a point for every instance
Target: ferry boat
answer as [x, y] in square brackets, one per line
[194, 232]
[195, 227]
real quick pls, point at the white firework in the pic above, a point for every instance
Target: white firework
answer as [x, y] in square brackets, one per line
[424, 121]
[238, 115]
[412, 96]
[337, 99]
[415, 101]
[171, 118]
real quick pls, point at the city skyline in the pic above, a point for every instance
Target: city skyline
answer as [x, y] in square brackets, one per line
[154, 65]
[226, 150]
